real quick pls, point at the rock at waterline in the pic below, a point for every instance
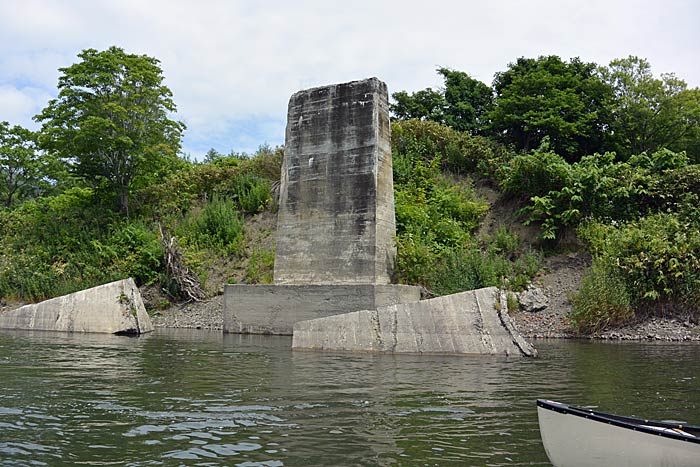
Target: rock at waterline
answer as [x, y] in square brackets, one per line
[114, 308]
[471, 322]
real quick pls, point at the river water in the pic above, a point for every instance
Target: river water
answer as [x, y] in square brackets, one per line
[199, 398]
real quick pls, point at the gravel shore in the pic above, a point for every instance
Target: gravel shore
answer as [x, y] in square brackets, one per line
[206, 314]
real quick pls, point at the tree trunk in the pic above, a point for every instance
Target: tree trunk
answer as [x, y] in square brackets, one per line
[124, 201]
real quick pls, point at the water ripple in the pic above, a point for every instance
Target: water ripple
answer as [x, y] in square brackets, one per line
[197, 398]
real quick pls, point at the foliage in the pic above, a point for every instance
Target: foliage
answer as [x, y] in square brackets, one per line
[436, 217]
[459, 152]
[468, 101]
[110, 122]
[547, 97]
[462, 104]
[603, 301]
[250, 192]
[226, 175]
[23, 171]
[217, 225]
[598, 187]
[649, 113]
[260, 267]
[426, 104]
[655, 260]
[61, 244]
[535, 174]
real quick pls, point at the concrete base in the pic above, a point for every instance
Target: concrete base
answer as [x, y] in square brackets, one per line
[465, 323]
[114, 308]
[273, 309]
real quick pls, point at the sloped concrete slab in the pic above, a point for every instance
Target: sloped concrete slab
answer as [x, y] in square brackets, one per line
[464, 323]
[115, 308]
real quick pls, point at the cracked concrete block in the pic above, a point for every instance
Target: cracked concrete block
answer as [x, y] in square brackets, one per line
[114, 308]
[465, 323]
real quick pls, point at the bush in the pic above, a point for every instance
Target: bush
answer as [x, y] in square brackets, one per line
[459, 152]
[251, 193]
[606, 190]
[436, 216]
[62, 244]
[536, 174]
[603, 301]
[656, 259]
[260, 267]
[218, 225]
[460, 270]
[132, 250]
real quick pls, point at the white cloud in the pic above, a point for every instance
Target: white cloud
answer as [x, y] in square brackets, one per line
[232, 65]
[20, 105]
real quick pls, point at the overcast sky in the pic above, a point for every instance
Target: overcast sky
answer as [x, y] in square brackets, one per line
[232, 65]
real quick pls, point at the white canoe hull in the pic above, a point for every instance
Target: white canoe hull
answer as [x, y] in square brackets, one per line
[576, 441]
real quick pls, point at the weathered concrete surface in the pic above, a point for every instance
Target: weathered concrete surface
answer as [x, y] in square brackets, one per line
[273, 309]
[111, 308]
[464, 323]
[336, 216]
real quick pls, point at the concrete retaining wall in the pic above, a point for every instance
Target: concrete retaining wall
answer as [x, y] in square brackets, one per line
[463, 323]
[111, 308]
[273, 309]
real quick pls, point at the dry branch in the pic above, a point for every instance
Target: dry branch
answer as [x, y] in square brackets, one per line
[187, 281]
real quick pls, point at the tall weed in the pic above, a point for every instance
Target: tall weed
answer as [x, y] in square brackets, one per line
[217, 225]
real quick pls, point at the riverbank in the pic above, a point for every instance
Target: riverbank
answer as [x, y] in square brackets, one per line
[561, 278]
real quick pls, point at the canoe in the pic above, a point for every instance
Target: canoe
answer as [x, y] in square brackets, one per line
[577, 437]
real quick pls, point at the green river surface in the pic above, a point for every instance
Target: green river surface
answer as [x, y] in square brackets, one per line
[200, 398]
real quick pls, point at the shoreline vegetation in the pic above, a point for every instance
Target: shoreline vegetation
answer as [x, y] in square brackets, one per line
[581, 179]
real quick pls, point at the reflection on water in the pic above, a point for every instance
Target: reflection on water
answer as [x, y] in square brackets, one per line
[200, 398]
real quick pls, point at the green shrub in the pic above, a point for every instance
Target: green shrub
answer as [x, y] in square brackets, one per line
[415, 259]
[512, 302]
[603, 301]
[459, 152]
[436, 215]
[656, 258]
[251, 193]
[260, 267]
[218, 225]
[505, 242]
[133, 250]
[536, 174]
[459, 270]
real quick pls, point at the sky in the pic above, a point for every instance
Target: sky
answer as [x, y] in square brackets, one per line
[233, 64]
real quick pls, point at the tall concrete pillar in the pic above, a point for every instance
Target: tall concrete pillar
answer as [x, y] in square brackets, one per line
[336, 217]
[335, 230]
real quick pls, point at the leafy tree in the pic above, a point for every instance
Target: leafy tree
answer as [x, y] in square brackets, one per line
[462, 104]
[422, 105]
[468, 101]
[651, 113]
[549, 97]
[111, 122]
[22, 169]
